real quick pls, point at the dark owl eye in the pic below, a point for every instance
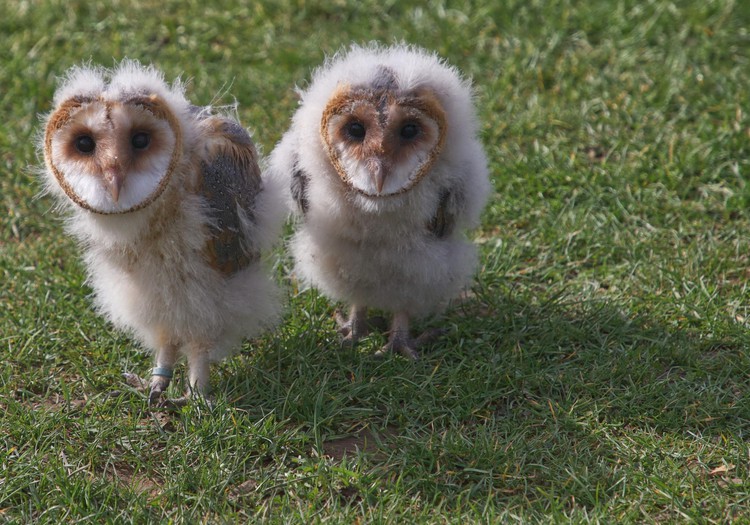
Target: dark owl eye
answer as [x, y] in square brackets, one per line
[85, 144]
[355, 131]
[409, 131]
[140, 140]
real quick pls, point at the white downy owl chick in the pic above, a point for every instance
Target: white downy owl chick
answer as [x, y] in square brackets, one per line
[387, 173]
[168, 203]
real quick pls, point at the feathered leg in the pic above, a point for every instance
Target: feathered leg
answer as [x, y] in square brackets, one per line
[161, 374]
[400, 340]
[198, 379]
[355, 327]
[198, 371]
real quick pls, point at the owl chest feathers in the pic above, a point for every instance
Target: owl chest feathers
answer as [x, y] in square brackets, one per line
[425, 213]
[193, 233]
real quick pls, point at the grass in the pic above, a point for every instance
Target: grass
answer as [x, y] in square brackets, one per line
[598, 372]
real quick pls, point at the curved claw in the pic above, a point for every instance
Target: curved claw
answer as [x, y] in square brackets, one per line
[405, 347]
[135, 381]
[154, 397]
[344, 326]
[408, 352]
[158, 385]
[353, 328]
[173, 404]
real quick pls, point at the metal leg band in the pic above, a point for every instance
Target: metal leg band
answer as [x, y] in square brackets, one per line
[162, 371]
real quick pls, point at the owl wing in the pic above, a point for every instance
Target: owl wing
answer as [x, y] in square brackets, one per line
[443, 221]
[230, 184]
[299, 187]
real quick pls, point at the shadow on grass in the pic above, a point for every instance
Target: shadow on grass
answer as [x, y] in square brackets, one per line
[554, 399]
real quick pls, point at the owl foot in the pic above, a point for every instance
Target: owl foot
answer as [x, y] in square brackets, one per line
[156, 388]
[176, 403]
[158, 385]
[172, 404]
[161, 377]
[156, 401]
[400, 342]
[135, 381]
[405, 346]
[357, 325]
[132, 380]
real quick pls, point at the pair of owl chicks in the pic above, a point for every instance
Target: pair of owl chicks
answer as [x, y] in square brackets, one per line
[381, 165]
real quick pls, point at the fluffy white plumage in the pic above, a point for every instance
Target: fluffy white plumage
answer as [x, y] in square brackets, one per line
[386, 173]
[168, 203]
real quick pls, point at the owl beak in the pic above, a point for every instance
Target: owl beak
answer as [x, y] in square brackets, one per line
[379, 173]
[113, 178]
[379, 177]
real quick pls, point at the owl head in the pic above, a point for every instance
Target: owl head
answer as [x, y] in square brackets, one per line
[114, 137]
[385, 115]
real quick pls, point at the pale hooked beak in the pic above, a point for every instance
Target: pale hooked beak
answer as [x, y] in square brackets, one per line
[113, 179]
[379, 173]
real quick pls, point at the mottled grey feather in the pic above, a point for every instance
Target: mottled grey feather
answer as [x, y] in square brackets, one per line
[299, 188]
[236, 133]
[231, 183]
[444, 220]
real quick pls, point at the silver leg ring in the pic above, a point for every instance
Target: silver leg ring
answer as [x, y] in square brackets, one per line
[162, 371]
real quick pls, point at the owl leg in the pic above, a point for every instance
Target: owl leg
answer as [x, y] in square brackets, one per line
[355, 327]
[161, 374]
[399, 339]
[198, 377]
[199, 372]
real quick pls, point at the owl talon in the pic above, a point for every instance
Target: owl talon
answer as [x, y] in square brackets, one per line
[159, 384]
[357, 325]
[353, 328]
[174, 404]
[408, 352]
[407, 346]
[154, 397]
[404, 346]
[132, 380]
[135, 381]
[344, 325]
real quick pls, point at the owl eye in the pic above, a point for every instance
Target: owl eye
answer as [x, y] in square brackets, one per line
[85, 144]
[140, 140]
[409, 131]
[356, 131]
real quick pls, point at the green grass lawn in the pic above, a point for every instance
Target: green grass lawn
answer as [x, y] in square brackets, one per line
[597, 372]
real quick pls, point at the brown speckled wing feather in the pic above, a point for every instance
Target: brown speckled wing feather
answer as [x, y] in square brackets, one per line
[299, 188]
[444, 220]
[230, 185]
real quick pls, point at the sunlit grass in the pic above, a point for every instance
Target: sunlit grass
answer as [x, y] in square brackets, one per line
[597, 372]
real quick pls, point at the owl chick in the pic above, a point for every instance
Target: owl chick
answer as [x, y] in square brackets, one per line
[171, 211]
[386, 172]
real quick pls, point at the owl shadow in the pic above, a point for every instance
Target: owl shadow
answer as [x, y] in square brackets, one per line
[516, 385]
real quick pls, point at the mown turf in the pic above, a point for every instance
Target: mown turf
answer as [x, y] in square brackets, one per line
[596, 372]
